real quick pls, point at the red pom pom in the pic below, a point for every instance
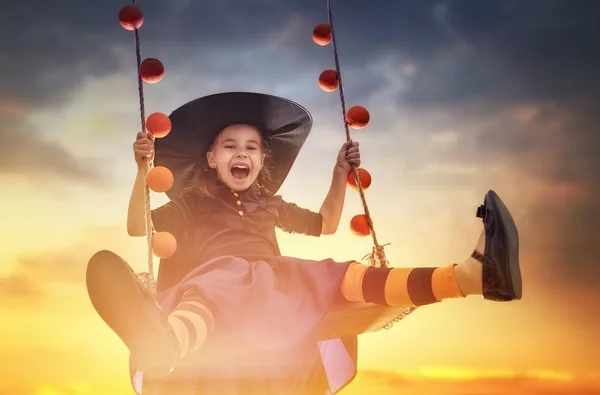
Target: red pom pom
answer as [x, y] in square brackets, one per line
[322, 34]
[357, 117]
[328, 80]
[363, 176]
[164, 245]
[359, 225]
[131, 17]
[160, 179]
[152, 70]
[158, 124]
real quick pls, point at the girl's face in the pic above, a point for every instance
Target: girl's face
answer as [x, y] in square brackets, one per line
[237, 156]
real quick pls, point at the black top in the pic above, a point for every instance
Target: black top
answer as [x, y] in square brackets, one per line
[238, 224]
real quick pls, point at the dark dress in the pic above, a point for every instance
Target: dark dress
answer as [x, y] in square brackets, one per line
[229, 256]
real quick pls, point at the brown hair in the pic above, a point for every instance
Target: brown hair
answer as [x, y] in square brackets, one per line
[206, 181]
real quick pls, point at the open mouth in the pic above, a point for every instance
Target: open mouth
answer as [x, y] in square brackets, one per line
[240, 171]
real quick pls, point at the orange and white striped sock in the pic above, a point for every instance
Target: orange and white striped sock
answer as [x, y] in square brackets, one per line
[400, 287]
[191, 323]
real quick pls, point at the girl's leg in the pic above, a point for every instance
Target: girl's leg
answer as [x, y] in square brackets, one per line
[492, 270]
[405, 287]
[191, 323]
[156, 341]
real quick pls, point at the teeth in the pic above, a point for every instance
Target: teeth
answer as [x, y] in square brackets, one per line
[241, 166]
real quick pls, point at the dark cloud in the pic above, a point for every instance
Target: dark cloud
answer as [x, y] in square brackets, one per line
[40, 65]
[509, 51]
[503, 43]
[58, 48]
[26, 153]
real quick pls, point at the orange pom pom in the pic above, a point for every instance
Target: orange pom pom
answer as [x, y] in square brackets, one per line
[160, 179]
[131, 17]
[359, 225]
[152, 70]
[322, 34]
[328, 80]
[158, 124]
[357, 117]
[164, 245]
[363, 176]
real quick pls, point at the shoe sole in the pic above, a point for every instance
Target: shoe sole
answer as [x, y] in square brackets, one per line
[511, 233]
[119, 298]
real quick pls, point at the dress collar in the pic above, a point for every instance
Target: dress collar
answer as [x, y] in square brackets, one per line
[250, 200]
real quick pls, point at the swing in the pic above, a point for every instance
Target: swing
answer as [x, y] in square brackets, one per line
[355, 318]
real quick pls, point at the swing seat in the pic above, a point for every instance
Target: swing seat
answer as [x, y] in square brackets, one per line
[358, 318]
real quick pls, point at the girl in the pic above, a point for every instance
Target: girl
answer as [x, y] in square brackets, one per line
[229, 154]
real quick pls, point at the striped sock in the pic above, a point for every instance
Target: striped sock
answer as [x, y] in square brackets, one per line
[191, 322]
[401, 287]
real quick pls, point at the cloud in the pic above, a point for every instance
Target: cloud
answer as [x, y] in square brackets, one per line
[472, 383]
[41, 67]
[26, 153]
[31, 273]
[507, 51]
[488, 58]
[18, 288]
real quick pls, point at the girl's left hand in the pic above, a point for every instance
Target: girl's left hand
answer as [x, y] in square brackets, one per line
[349, 155]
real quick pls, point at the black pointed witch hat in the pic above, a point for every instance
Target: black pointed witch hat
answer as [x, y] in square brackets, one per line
[285, 125]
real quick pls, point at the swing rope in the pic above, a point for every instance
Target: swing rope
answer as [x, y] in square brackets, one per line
[147, 278]
[377, 257]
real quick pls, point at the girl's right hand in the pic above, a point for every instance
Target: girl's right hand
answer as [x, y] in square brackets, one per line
[143, 148]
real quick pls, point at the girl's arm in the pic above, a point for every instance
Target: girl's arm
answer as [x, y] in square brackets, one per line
[333, 205]
[143, 150]
[136, 215]
[173, 216]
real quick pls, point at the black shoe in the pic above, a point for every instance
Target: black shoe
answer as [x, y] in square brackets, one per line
[501, 271]
[130, 310]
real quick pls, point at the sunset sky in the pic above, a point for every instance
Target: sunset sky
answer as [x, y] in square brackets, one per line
[465, 96]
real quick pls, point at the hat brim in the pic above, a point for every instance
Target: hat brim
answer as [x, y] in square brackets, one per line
[195, 125]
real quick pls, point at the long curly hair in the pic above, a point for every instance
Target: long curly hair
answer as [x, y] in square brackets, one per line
[206, 181]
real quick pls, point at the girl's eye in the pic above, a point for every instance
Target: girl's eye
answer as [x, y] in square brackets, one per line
[251, 148]
[229, 146]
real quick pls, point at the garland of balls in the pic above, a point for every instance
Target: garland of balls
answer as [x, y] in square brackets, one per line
[160, 179]
[357, 117]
